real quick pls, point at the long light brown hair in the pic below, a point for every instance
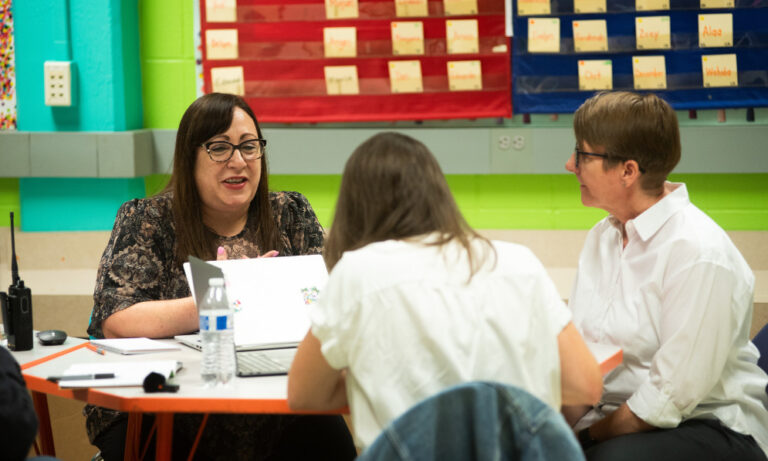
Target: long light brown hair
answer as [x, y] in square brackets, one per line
[209, 116]
[632, 126]
[393, 188]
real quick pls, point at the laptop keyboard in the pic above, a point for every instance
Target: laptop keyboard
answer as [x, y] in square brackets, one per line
[255, 363]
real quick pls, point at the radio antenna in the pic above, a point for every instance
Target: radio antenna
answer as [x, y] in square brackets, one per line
[14, 266]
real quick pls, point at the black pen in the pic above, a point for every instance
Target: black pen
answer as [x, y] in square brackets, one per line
[56, 379]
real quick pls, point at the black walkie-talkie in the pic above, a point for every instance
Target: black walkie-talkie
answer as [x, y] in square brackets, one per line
[16, 307]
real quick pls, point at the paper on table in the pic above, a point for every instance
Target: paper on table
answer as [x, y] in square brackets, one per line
[126, 373]
[128, 346]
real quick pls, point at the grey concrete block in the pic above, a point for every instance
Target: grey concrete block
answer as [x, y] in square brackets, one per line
[125, 154]
[163, 143]
[63, 154]
[14, 154]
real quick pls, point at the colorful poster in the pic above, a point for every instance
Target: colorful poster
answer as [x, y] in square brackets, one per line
[7, 69]
[405, 77]
[652, 33]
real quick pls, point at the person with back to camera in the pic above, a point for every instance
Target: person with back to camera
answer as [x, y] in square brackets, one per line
[660, 279]
[216, 205]
[417, 301]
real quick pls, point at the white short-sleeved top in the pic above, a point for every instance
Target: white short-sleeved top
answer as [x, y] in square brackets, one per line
[404, 321]
[678, 301]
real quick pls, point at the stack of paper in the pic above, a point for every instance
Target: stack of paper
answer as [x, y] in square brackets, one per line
[128, 346]
[113, 374]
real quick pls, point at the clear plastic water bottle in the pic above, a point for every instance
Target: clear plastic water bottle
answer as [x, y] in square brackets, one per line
[218, 335]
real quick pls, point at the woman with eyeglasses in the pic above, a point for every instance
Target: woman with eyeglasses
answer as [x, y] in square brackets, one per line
[217, 205]
[663, 281]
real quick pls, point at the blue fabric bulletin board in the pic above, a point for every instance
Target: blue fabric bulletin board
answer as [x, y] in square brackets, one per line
[548, 82]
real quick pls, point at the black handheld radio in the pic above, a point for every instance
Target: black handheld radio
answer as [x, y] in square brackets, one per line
[16, 307]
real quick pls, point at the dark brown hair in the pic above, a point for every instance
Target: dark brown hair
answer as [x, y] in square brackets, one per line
[393, 188]
[632, 126]
[205, 118]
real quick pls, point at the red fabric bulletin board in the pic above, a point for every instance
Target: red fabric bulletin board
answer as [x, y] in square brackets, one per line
[280, 49]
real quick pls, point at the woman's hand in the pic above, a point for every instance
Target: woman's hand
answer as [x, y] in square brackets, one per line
[221, 254]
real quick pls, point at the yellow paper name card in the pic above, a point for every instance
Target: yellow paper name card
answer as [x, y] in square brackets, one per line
[407, 38]
[410, 8]
[464, 75]
[405, 76]
[589, 6]
[651, 5]
[221, 43]
[340, 9]
[220, 11]
[652, 33]
[544, 35]
[533, 7]
[459, 7]
[462, 36]
[649, 72]
[590, 35]
[340, 42]
[596, 74]
[228, 80]
[341, 80]
[715, 30]
[719, 70]
[717, 3]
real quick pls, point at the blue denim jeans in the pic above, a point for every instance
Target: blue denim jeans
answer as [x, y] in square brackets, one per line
[477, 421]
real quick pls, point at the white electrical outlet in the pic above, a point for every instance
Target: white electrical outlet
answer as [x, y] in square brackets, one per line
[58, 83]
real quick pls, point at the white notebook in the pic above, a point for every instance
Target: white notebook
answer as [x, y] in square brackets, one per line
[128, 346]
[125, 373]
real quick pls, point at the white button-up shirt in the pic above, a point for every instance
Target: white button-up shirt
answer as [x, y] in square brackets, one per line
[678, 301]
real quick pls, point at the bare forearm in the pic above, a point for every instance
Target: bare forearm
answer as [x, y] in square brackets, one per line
[620, 422]
[153, 319]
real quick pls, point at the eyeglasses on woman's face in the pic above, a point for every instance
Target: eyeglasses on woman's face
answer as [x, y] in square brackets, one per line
[222, 151]
[578, 153]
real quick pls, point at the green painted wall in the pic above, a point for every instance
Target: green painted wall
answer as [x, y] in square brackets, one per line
[9, 201]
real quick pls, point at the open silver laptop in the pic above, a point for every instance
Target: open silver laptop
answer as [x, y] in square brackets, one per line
[270, 298]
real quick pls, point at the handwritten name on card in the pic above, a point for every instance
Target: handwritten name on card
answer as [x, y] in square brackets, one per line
[544, 35]
[533, 7]
[340, 42]
[651, 5]
[221, 44]
[407, 38]
[228, 80]
[596, 74]
[340, 9]
[410, 8]
[589, 6]
[719, 70]
[652, 33]
[462, 36]
[341, 80]
[465, 75]
[405, 77]
[649, 72]
[459, 7]
[717, 3]
[715, 30]
[590, 35]
[220, 11]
